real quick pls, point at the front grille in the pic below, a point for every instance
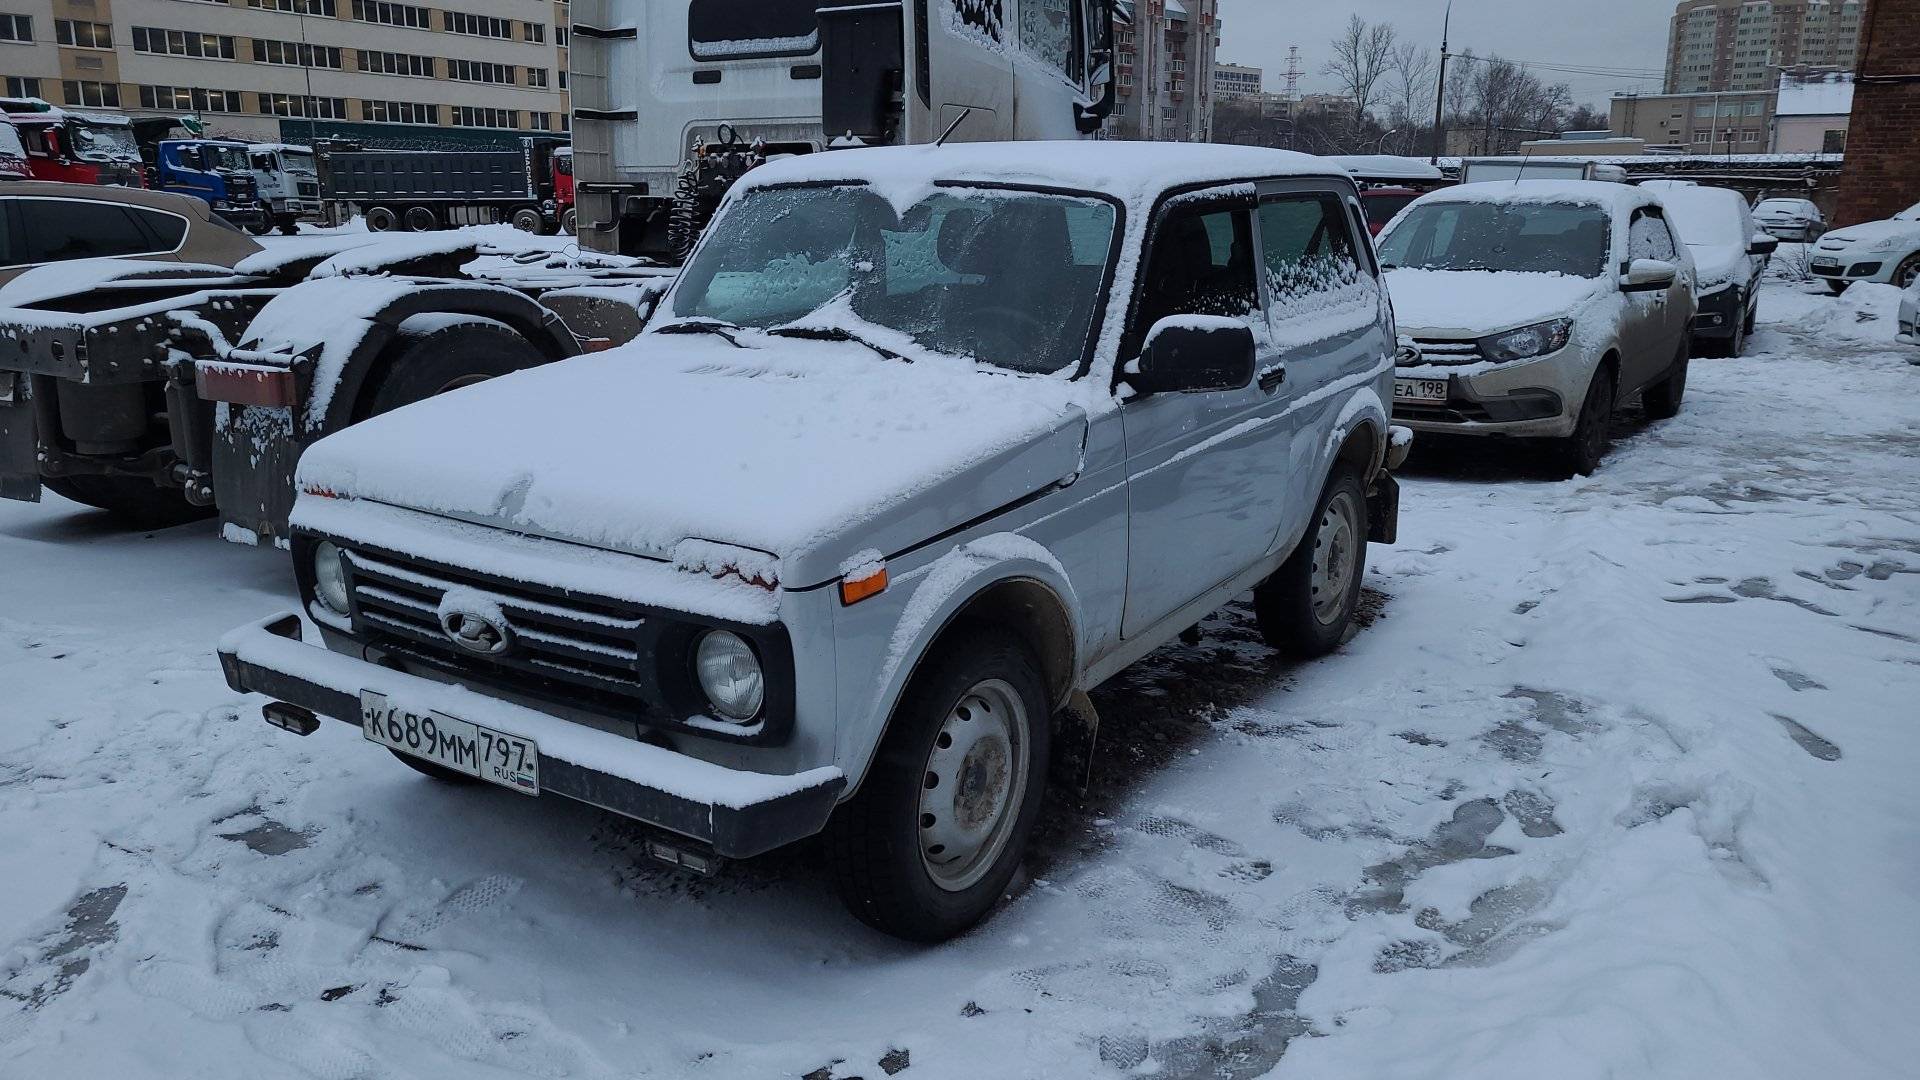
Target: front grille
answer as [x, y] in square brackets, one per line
[309, 191]
[1435, 351]
[590, 644]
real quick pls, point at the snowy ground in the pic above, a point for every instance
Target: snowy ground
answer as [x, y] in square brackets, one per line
[1619, 782]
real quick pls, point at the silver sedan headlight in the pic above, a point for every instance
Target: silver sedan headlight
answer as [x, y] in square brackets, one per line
[730, 675]
[1528, 341]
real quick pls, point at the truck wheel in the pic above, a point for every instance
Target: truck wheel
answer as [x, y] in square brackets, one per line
[289, 226]
[529, 220]
[1662, 399]
[449, 358]
[260, 226]
[382, 219]
[1305, 608]
[1592, 436]
[421, 219]
[928, 845]
[139, 503]
[568, 223]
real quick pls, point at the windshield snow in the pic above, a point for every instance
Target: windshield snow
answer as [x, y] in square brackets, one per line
[1547, 238]
[104, 142]
[1006, 278]
[231, 158]
[295, 161]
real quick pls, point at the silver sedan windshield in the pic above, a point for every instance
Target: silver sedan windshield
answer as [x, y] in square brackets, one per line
[1536, 237]
[1007, 278]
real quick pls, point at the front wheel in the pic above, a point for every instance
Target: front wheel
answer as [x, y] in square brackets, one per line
[1837, 287]
[932, 839]
[1907, 272]
[1662, 399]
[1592, 435]
[1305, 609]
[260, 226]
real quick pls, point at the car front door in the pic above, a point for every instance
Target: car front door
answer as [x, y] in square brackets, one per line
[1649, 337]
[1329, 330]
[1206, 470]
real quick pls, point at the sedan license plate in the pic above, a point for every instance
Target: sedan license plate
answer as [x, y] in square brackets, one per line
[1825, 264]
[452, 743]
[1429, 390]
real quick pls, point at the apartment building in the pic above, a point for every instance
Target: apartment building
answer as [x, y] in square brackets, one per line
[1235, 80]
[1704, 123]
[1741, 45]
[1166, 66]
[385, 73]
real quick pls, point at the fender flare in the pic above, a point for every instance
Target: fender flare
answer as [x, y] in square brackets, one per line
[944, 590]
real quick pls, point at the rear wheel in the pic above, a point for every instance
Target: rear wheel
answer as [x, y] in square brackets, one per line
[382, 219]
[1592, 435]
[1662, 399]
[930, 842]
[568, 223]
[529, 220]
[421, 219]
[1306, 607]
[449, 358]
[139, 503]
[289, 226]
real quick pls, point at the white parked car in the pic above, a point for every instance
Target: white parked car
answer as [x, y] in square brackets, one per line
[1884, 251]
[1729, 255]
[1532, 308]
[1791, 219]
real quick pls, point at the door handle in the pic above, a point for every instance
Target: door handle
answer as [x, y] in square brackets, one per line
[1271, 378]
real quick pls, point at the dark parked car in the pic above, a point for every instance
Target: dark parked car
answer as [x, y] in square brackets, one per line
[43, 223]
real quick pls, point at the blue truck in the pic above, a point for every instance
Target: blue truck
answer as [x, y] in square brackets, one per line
[215, 171]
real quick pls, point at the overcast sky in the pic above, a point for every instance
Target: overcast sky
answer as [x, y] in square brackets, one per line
[1615, 37]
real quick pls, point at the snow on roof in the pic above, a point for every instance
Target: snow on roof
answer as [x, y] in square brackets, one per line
[1131, 171]
[1387, 166]
[1621, 197]
[295, 148]
[1830, 94]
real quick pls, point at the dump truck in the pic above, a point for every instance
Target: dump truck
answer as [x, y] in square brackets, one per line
[427, 190]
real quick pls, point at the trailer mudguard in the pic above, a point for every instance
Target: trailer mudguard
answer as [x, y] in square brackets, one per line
[19, 456]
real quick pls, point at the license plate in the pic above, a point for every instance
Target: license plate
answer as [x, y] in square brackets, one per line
[1825, 264]
[481, 752]
[1420, 390]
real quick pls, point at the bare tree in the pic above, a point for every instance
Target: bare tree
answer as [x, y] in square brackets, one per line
[1361, 55]
[1411, 74]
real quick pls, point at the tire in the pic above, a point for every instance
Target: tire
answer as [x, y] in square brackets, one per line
[978, 701]
[447, 359]
[1592, 435]
[1907, 272]
[1725, 347]
[569, 223]
[529, 220]
[1662, 399]
[1753, 315]
[1305, 608]
[421, 219]
[382, 219]
[136, 502]
[289, 227]
[260, 226]
[437, 772]
[1837, 287]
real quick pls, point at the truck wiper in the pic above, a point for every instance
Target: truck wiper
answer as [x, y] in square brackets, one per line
[834, 333]
[702, 326]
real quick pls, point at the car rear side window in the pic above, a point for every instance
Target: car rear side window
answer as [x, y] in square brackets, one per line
[56, 230]
[167, 231]
[740, 29]
[8, 237]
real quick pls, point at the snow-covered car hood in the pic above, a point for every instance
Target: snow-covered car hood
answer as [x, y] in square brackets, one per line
[1718, 264]
[1874, 231]
[809, 451]
[1475, 303]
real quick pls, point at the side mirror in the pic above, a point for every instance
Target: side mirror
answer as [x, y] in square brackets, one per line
[1649, 275]
[1762, 244]
[1186, 354]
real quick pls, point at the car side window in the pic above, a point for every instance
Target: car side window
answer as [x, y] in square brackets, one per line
[1648, 238]
[56, 230]
[8, 241]
[1202, 263]
[165, 231]
[1317, 283]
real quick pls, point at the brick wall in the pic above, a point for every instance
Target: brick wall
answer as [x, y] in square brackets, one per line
[1882, 174]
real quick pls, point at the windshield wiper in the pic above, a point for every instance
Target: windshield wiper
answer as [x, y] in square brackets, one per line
[834, 333]
[703, 326]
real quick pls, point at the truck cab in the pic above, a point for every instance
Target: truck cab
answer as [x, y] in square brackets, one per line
[215, 171]
[79, 148]
[674, 101]
[563, 188]
[287, 180]
[13, 154]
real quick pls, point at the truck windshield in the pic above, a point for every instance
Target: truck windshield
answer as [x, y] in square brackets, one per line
[228, 158]
[1011, 279]
[103, 142]
[738, 29]
[1533, 237]
[298, 161]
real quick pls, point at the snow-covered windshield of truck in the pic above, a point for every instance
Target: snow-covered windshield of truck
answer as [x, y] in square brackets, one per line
[103, 142]
[1007, 278]
[226, 158]
[1530, 237]
[299, 161]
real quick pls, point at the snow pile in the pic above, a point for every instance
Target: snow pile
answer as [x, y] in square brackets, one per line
[1866, 312]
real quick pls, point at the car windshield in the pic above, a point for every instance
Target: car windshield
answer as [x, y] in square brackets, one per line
[103, 142]
[233, 158]
[1534, 237]
[1007, 278]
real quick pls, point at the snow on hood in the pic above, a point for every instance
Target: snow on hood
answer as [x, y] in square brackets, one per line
[1871, 231]
[1475, 303]
[806, 450]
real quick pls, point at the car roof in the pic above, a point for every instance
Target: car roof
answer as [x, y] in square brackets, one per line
[1618, 197]
[1135, 172]
[159, 200]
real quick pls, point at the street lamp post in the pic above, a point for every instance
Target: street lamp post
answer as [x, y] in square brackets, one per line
[1381, 146]
[1440, 93]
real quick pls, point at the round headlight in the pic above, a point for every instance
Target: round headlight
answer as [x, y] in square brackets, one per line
[730, 675]
[330, 576]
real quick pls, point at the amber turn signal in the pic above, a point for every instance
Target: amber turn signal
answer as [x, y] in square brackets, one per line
[852, 592]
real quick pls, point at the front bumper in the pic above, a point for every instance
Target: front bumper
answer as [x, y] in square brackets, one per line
[242, 214]
[1536, 398]
[1851, 266]
[737, 814]
[1721, 314]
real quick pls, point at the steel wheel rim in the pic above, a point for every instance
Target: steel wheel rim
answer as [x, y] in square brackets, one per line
[1335, 548]
[973, 786]
[1601, 405]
